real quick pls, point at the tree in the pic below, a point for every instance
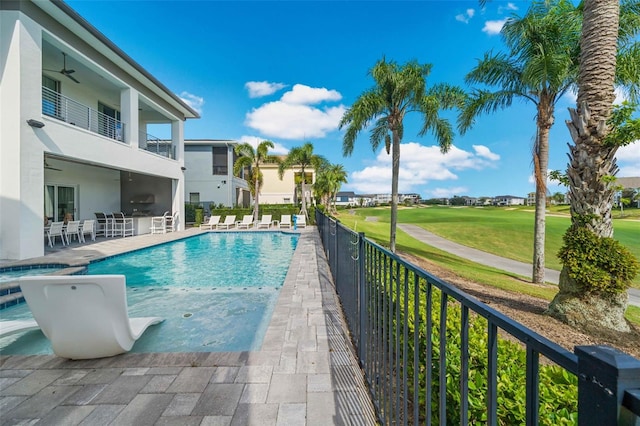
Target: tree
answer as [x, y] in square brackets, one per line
[591, 160]
[398, 90]
[329, 179]
[304, 158]
[253, 159]
[540, 66]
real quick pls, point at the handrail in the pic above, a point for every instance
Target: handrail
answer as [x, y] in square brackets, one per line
[65, 109]
[398, 317]
[153, 144]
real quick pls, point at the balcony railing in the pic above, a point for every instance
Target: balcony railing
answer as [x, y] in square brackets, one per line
[65, 109]
[432, 354]
[162, 147]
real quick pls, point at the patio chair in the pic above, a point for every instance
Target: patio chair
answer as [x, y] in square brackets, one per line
[247, 221]
[265, 221]
[285, 221]
[122, 226]
[88, 227]
[213, 221]
[56, 230]
[101, 224]
[72, 230]
[159, 224]
[229, 221]
[301, 221]
[84, 316]
[8, 328]
[171, 222]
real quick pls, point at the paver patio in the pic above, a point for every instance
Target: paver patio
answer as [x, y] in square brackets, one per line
[306, 372]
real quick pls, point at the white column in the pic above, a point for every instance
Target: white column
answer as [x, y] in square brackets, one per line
[177, 140]
[21, 146]
[129, 114]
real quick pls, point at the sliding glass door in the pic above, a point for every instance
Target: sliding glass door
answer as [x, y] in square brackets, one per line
[60, 202]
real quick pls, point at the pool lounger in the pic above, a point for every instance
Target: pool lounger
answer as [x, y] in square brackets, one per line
[84, 316]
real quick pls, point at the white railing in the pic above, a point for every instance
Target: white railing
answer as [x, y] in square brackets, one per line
[156, 145]
[65, 109]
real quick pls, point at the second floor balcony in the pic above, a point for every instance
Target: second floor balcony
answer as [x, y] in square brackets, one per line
[70, 111]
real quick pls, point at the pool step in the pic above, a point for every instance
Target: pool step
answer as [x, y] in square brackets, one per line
[10, 294]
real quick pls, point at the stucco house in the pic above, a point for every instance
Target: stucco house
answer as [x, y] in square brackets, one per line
[508, 200]
[76, 113]
[283, 191]
[209, 174]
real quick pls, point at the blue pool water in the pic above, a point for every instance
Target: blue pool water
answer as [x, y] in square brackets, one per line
[216, 292]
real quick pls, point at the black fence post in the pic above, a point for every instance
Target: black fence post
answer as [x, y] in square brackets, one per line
[362, 302]
[604, 374]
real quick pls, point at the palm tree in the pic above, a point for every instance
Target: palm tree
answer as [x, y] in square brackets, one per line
[329, 179]
[540, 66]
[253, 159]
[398, 90]
[304, 158]
[606, 30]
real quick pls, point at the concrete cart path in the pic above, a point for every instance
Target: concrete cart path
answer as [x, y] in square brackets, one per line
[489, 259]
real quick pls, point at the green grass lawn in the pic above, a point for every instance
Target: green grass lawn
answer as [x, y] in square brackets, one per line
[501, 231]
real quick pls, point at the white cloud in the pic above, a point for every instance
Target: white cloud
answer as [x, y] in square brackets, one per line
[419, 164]
[508, 7]
[278, 149]
[293, 117]
[483, 151]
[447, 192]
[466, 16]
[305, 95]
[494, 27]
[629, 160]
[258, 89]
[193, 101]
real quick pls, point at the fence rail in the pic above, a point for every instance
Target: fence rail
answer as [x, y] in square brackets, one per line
[432, 354]
[70, 111]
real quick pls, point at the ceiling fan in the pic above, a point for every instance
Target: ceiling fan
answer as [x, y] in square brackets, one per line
[47, 166]
[64, 70]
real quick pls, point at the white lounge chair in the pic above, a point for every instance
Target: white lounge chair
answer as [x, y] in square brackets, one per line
[265, 221]
[55, 230]
[213, 222]
[229, 221]
[285, 221]
[247, 221]
[84, 316]
[8, 328]
[301, 221]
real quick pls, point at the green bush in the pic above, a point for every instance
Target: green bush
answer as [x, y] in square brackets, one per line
[558, 388]
[190, 212]
[199, 216]
[600, 265]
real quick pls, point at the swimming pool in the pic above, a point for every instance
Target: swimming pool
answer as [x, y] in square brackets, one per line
[13, 272]
[216, 292]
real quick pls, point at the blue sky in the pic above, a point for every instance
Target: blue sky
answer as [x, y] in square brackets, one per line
[286, 71]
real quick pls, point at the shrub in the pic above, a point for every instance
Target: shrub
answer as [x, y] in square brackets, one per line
[597, 264]
[558, 388]
[190, 212]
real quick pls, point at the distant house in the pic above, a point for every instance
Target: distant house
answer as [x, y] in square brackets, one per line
[628, 183]
[412, 198]
[346, 199]
[531, 199]
[508, 200]
[209, 175]
[382, 198]
[284, 191]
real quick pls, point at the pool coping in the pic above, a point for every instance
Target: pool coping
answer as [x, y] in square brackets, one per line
[306, 371]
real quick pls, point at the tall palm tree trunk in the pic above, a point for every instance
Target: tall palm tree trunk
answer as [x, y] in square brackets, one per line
[541, 164]
[590, 161]
[256, 201]
[395, 172]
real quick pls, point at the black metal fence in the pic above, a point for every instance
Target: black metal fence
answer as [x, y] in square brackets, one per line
[433, 354]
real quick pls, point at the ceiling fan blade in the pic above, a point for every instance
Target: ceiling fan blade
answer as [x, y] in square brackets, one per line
[72, 77]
